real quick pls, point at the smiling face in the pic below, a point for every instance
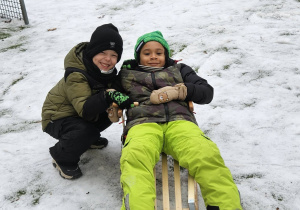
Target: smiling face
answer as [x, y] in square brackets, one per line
[153, 54]
[106, 60]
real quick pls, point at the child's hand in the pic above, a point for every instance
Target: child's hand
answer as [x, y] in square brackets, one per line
[169, 93]
[129, 64]
[122, 100]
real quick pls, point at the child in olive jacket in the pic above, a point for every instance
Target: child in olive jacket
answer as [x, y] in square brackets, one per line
[74, 111]
[163, 123]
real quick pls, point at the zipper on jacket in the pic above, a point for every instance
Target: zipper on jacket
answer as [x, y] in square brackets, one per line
[165, 105]
[153, 81]
[167, 112]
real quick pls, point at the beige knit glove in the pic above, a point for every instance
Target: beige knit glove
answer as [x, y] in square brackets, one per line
[113, 113]
[169, 93]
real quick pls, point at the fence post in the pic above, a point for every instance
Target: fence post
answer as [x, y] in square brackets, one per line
[24, 13]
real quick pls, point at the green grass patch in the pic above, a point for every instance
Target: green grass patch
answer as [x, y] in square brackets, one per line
[225, 49]
[277, 197]
[240, 177]
[12, 84]
[37, 194]
[178, 48]
[226, 67]
[260, 74]
[4, 35]
[17, 80]
[8, 32]
[4, 112]
[249, 104]
[18, 127]
[13, 47]
[21, 192]
[15, 29]
[116, 8]
[171, 53]
[16, 196]
[182, 48]
[36, 201]
[287, 33]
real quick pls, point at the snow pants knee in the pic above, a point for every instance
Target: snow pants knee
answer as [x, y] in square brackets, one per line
[186, 143]
[75, 135]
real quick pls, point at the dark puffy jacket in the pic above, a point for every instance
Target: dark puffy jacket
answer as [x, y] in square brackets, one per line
[138, 84]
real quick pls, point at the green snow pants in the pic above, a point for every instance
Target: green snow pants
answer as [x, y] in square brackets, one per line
[187, 144]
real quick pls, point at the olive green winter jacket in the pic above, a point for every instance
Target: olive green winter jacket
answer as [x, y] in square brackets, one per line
[77, 94]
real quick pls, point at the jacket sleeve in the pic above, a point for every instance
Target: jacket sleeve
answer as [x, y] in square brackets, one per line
[198, 90]
[79, 93]
[94, 105]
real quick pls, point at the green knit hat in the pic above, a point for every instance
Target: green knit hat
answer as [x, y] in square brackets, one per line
[152, 36]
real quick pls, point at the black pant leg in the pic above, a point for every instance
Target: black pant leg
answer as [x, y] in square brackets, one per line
[75, 137]
[103, 122]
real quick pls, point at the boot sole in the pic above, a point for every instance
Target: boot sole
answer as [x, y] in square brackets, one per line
[97, 147]
[62, 174]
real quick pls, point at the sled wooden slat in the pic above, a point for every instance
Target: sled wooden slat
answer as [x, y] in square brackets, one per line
[154, 173]
[192, 193]
[192, 187]
[177, 184]
[165, 183]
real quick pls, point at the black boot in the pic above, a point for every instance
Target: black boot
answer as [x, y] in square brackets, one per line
[67, 172]
[99, 144]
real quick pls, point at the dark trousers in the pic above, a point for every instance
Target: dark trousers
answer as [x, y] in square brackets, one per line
[75, 136]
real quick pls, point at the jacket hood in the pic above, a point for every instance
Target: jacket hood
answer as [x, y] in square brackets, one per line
[74, 58]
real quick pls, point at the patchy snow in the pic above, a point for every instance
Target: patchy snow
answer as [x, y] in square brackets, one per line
[249, 51]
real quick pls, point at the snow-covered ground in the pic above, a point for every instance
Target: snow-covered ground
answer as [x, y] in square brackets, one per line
[249, 51]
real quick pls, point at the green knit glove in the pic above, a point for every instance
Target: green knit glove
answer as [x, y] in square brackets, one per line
[122, 100]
